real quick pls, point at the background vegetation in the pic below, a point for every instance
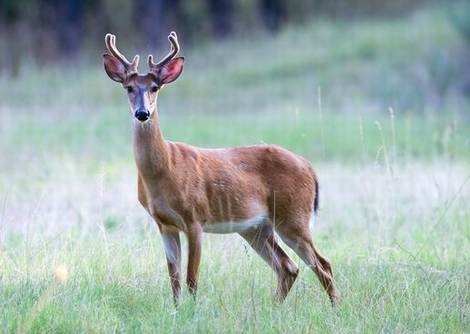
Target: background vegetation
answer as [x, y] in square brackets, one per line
[376, 98]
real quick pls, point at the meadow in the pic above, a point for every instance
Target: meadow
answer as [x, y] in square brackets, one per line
[370, 103]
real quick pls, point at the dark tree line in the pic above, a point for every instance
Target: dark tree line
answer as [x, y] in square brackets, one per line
[62, 30]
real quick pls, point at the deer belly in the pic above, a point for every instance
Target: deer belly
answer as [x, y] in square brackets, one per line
[236, 226]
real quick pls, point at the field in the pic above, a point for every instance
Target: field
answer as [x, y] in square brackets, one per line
[79, 254]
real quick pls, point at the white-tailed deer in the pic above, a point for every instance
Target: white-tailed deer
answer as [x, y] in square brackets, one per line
[254, 191]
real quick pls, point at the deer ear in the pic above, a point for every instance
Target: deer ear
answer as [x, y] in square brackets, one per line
[114, 68]
[171, 71]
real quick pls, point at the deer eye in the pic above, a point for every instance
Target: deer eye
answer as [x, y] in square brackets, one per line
[154, 89]
[129, 89]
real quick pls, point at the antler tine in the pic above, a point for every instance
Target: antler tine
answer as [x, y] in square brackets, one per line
[110, 41]
[175, 48]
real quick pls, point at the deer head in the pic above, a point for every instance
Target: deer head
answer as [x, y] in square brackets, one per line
[142, 90]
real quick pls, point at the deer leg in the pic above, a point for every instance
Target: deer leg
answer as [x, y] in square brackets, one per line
[194, 235]
[303, 245]
[289, 271]
[263, 241]
[171, 242]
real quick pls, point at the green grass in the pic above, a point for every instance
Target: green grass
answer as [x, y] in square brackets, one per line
[107, 137]
[394, 216]
[391, 278]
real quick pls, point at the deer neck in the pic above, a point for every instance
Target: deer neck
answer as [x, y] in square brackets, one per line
[150, 148]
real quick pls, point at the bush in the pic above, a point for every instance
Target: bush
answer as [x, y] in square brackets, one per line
[459, 16]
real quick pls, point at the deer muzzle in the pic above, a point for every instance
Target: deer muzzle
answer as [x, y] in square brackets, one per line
[142, 114]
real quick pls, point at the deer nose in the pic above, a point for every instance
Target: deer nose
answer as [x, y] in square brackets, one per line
[142, 115]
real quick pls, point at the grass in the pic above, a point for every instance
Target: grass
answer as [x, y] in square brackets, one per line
[337, 137]
[394, 190]
[405, 269]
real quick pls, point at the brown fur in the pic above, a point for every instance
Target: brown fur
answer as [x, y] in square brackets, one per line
[186, 189]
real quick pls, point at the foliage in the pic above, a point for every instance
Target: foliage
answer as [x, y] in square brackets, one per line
[48, 31]
[459, 15]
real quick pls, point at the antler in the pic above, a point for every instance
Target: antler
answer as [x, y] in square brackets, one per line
[175, 48]
[110, 41]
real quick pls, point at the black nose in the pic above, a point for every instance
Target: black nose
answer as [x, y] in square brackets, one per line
[142, 115]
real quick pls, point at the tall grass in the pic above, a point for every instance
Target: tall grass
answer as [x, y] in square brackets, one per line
[399, 246]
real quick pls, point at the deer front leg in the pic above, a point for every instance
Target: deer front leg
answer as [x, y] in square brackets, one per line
[194, 235]
[171, 242]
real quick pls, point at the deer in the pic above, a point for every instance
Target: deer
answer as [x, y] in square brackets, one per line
[261, 192]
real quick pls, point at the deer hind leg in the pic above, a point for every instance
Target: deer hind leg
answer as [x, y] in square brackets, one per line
[301, 242]
[263, 241]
